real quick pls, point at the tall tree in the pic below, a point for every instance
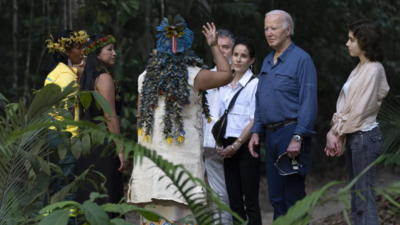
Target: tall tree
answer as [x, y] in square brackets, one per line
[15, 44]
[28, 55]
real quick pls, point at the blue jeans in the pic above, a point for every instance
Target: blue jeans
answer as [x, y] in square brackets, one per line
[283, 191]
[362, 149]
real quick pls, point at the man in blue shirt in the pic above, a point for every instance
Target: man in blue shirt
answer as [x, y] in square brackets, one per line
[286, 108]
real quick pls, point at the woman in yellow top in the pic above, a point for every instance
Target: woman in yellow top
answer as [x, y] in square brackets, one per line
[66, 49]
[355, 118]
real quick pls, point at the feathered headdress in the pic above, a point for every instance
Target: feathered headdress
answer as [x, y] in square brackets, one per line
[167, 75]
[61, 44]
[175, 36]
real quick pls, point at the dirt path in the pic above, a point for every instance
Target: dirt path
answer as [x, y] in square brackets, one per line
[385, 177]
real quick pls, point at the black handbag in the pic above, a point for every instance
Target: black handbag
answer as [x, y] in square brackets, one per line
[219, 128]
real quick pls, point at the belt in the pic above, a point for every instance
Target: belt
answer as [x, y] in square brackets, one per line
[276, 126]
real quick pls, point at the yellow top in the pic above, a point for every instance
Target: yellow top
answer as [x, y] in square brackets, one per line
[62, 76]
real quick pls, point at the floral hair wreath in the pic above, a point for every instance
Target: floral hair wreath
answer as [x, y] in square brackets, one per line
[62, 43]
[109, 39]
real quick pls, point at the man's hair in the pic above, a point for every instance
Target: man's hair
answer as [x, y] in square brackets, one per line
[369, 38]
[226, 33]
[287, 18]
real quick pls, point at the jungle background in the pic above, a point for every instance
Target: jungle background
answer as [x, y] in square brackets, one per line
[320, 29]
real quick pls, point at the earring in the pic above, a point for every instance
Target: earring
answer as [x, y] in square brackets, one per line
[69, 62]
[251, 67]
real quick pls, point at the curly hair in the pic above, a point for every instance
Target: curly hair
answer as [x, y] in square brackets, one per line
[369, 37]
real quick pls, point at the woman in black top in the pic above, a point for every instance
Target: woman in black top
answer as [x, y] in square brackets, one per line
[100, 55]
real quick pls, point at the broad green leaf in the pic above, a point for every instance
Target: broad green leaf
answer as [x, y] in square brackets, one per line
[76, 147]
[59, 205]
[49, 96]
[59, 217]
[86, 145]
[62, 150]
[3, 98]
[94, 214]
[95, 195]
[44, 165]
[111, 207]
[148, 214]
[119, 221]
[86, 99]
[97, 138]
[103, 103]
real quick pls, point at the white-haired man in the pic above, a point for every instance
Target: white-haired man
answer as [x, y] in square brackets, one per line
[286, 108]
[213, 163]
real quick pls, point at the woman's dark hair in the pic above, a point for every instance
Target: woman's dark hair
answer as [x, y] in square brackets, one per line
[250, 45]
[53, 59]
[369, 37]
[93, 66]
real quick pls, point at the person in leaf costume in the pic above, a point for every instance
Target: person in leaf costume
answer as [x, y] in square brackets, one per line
[171, 104]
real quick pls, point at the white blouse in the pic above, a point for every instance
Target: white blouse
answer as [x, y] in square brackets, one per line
[243, 110]
[345, 89]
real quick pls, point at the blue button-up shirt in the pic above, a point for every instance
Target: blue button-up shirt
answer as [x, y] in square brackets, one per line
[287, 90]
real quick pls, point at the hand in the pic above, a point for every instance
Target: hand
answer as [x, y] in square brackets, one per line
[254, 141]
[210, 32]
[294, 149]
[124, 163]
[334, 144]
[227, 152]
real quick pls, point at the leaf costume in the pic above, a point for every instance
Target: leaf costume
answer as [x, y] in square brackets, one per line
[167, 75]
[170, 120]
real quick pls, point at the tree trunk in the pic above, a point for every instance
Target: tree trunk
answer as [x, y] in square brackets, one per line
[65, 14]
[70, 14]
[15, 44]
[162, 10]
[28, 57]
[118, 33]
[45, 35]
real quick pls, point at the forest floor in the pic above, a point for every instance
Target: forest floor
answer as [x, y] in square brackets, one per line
[331, 213]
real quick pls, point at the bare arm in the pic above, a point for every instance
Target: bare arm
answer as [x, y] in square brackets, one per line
[105, 86]
[212, 79]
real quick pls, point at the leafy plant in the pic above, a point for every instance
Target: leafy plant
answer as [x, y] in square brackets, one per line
[23, 149]
[389, 123]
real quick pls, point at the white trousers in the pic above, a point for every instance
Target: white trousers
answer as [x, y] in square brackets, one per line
[216, 179]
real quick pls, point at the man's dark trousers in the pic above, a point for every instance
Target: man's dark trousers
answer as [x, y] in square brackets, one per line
[284, 191]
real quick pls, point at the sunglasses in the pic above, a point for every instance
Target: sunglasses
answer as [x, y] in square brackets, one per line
[295, 165]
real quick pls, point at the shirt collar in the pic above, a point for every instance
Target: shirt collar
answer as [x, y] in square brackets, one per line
[246, 77]
[287, 52]
[283, 56]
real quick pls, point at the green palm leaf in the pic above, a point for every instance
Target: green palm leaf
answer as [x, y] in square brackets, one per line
[21, 155]
[389, 123]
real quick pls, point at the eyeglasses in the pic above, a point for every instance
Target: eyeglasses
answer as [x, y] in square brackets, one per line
[295, 165]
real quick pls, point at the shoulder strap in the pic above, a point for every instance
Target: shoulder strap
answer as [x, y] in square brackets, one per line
[236, 95]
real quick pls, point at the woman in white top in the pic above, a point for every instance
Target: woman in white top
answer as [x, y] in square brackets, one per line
[242, 170]
[355, 118]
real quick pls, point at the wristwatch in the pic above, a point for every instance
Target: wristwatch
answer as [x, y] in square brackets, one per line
[297, 138]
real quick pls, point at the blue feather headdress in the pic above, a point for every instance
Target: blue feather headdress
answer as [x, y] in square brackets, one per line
[174, 33]
[167, 76]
